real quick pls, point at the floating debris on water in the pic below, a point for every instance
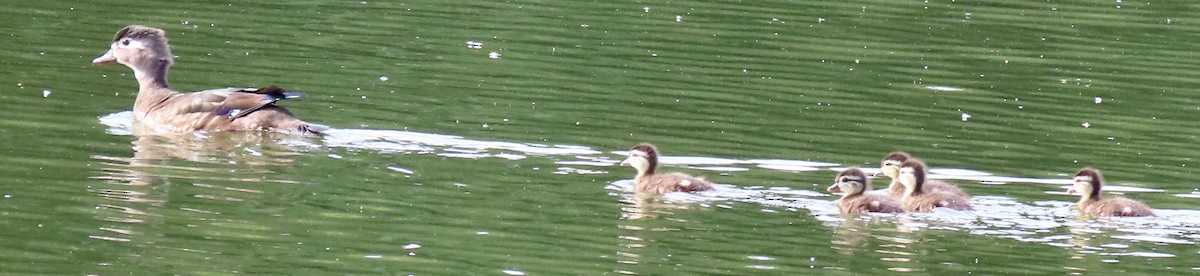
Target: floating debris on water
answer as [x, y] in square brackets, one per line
[513, 272]
[1086, 124]
[646, 9]
[474, 44]
[383, 78]
[411, 246]
[965, 116]
[493, 55]
[678, 18]
[46, 93]
[1098, 99]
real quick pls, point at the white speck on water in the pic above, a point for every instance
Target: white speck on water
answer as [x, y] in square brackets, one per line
[1098, 99]
[411, 246]
[584, 25]
[373, 256]
[383, 78]
[820, 20]
[474, 44]
[400, 170]
[493, 55]
[646, 9]
[944, 88]
[760, 258]
[1086, 124]
[46, 93]
[364, 97]
[513, 272]
[505, 119]
[481, 232]
[968, 15]
[335, 156]
[485, 125]
[7, 195]
[965, 116]
[576, 122]
[678, 18]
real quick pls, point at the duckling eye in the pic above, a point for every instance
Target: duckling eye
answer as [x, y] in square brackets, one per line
[125, 42]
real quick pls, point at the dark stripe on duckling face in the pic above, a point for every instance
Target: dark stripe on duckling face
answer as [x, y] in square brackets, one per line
[852, 176]
[1092, 176]
[651, 154]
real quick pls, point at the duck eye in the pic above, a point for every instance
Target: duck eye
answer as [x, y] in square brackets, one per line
[125, 42]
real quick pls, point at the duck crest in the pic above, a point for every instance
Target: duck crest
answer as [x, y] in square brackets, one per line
[898, 156]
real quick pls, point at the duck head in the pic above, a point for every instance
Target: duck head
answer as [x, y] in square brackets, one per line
[1087, 183]
[144, 49]
[912, 174]
[890, 165]
[643, 157]
[852, 181]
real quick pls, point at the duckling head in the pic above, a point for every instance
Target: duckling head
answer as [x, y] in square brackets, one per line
[912, 174]
[852, 181]
[643, 157]
[139, 47]
[890, 165]
[1087, 183]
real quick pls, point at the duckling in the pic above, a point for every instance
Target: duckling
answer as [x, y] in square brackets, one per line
[1088, 182]
[159, 109]
[890, 167]
[644, 158]
[854, 182]
[918, 199]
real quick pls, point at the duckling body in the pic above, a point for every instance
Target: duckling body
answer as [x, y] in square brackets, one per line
[854, 183]
[1088, 182]
[890, 167]
[916, 199]
[644, 158]
[160, 109]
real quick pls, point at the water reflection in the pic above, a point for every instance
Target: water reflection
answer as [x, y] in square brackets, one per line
[217, 167]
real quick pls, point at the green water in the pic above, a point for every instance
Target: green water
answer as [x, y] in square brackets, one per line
[507, 167]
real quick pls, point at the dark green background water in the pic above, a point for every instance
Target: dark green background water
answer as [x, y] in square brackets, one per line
[520, 178]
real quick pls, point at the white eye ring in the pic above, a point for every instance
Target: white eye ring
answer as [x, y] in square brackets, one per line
[130, 43]
[906, 170]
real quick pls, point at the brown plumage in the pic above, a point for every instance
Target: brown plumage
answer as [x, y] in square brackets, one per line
[1088, 183]
[644, 158]
[917, 199]
[890, 167]
[159, 109]
[855, 183]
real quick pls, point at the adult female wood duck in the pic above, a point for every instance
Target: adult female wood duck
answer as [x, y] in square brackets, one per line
[1088, 182]
[644, 158]
[890, 167]
[159, 109]
[855, 183]
[918, 199]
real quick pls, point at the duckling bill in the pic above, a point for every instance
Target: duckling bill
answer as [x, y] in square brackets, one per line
[1087, 183]
[160, 109]
[644, 158]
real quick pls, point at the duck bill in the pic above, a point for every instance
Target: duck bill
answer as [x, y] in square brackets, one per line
[1071, 191]
[105, 58]
[878, 173]
[625, 163]
[833, 188]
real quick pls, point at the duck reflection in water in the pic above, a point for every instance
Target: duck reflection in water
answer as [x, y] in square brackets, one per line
[213, 166]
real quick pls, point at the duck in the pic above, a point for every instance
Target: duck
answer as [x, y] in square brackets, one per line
[854, 183]
[159, 109]
[890, 167]
[644, 158]
[918, 199]
[1087, 183]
